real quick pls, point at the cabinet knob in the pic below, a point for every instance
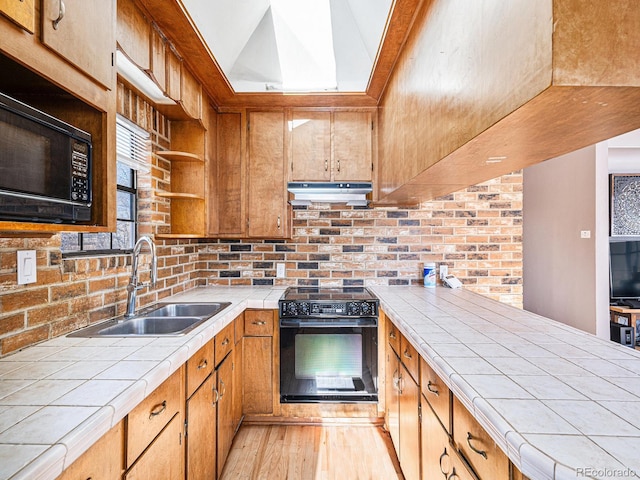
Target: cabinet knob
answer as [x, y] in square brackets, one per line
[61, 12]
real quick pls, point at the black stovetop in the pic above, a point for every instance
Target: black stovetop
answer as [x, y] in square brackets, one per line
[327, 294]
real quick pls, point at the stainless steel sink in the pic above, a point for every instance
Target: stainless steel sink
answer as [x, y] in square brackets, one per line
[172, 319]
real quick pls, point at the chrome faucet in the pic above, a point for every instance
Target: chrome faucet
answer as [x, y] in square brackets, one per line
[134, 286]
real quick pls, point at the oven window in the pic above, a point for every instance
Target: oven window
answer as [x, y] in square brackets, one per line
[322, 357]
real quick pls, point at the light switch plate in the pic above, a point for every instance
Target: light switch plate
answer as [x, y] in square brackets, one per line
[280, 270]
[26, 265]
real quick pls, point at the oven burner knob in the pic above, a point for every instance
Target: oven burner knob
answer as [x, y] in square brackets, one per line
[353, 309]
[368, 309]
[304, 308]
[292, 308]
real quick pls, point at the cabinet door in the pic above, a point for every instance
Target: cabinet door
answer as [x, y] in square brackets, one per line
[201, 431]
[268, 212]
[84, 33]
[225, 411]
[409, 452]
[352, 146]
[257, 375]
[392, 397]
[231, 174]
[310, 146]
[484, 455]
[22, 12]
[95, 464]
[437, 394]
[165, 456]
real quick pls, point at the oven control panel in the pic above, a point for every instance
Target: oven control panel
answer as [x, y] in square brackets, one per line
[361, 308]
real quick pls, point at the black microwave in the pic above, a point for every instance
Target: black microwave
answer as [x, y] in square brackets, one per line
[45, 167]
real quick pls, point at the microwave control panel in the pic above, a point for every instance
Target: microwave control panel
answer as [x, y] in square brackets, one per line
[80, 174]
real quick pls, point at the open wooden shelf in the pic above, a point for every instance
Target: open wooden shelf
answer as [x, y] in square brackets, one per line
[191, 196]
[175, 156]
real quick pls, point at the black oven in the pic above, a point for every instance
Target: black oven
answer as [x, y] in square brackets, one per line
[328, 345]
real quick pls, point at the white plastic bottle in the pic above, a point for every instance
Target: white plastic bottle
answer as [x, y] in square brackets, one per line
[430, 275]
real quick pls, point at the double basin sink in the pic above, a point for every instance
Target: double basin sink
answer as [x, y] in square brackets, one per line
[171, 319]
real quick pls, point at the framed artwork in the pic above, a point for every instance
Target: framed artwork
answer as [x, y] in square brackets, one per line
[625, 205]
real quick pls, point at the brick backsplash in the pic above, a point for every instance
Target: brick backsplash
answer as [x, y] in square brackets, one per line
[476, 232]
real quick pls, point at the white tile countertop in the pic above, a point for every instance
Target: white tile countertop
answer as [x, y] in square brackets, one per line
[59, 397]
[559, 401]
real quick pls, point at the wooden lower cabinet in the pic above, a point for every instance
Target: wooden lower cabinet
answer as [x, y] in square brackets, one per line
[225, 430]
[439, 458]
[402, 401]
[201, 431]
[95, 464]
[164, 458]
[475, 444]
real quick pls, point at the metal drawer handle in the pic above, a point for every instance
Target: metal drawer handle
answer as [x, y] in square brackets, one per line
[392, 335]
[203, 364]
[278, 221]
[225, 342]
[158, 409]
[259, 322]
[326, 165]
[431, 389]
[223, 388]
[407, 354]
[216, 396]
[453, 474]
[61, 12]
[479, 452]
[442, 457]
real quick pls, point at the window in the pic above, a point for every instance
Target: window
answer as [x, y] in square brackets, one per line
[133, 149]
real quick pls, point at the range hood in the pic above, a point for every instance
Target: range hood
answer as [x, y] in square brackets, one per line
[352, 193]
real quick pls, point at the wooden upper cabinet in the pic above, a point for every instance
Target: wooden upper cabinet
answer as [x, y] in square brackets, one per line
[230, 177]
[331, 146]
[134, 34]
[352, 146]
[268, 208]
[84, 33]
[21, 12]
[310, 146]
[158, 59]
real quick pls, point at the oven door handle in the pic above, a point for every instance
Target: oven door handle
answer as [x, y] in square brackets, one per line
[328, 323]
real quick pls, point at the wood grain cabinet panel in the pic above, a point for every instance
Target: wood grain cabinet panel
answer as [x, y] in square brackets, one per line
[95, 464]
[150, 416]
[230, 176]
[475, 444]
[409, 452]
[410, 358]
[224, 342]
[226, 429]
[259, 323]
[201, 431]
[165, 456]
[268, 208]
[90, 23]
[257, 375]
[352, 146]
[310, 146]
[21, 12]
[436, 393]
[199, 367]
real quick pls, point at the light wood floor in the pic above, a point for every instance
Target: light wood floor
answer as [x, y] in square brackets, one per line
[310, 452]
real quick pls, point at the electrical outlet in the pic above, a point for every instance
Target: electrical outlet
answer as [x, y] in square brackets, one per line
[26, 265]
[280, 270]
[585, 233]
[444, 271]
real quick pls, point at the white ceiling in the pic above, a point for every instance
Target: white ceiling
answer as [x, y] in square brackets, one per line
[260, 47]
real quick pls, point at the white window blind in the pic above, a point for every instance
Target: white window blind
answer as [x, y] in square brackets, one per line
[133, 145]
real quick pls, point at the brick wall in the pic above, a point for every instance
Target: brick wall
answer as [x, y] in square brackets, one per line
[477, 232]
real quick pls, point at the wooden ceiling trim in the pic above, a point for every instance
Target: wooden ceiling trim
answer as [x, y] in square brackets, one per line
[178, 27]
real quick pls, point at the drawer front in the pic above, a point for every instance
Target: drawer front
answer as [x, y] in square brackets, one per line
[224, 342]
[199, 367]
[410, 358]
[258, 323]
[238, 323]
[437, 394]
[393, 336]
[485, 457]
[147, 420]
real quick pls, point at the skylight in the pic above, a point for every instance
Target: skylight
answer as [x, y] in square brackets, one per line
[292, 45]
